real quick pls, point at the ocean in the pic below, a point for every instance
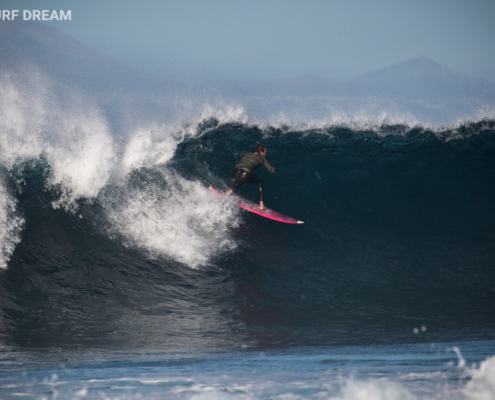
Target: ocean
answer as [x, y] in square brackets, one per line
[122, 276]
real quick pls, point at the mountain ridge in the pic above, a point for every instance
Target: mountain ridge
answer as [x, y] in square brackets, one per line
[68, 60]
[76, 64]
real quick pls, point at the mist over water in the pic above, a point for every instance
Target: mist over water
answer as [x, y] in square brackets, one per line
[111, 241]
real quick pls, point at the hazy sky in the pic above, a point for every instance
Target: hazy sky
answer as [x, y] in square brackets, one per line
[281, 38]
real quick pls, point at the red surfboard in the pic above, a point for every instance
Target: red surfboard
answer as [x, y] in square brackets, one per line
[255, 208]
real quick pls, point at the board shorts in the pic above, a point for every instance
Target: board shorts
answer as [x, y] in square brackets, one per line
[242, 177]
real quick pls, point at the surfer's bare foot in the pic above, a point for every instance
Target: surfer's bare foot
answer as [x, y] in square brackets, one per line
[230, 191]
[262, 206]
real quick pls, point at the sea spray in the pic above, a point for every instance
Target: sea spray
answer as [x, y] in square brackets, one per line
[482, 383]
[10, 226]
[42, 120]
[165, 215]
[61, 126]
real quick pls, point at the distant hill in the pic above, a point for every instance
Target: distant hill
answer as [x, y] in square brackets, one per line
[419, 77]
[69, 61]
[75, 64]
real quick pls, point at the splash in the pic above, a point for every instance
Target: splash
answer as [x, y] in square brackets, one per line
[39, 120]
[482, 383]
[169, 216]
[146, 148]
[373, 390]
[10, 226]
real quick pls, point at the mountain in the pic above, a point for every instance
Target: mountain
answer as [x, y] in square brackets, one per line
[422, 78]
[72, 63]
[418, 78]
[24, 43]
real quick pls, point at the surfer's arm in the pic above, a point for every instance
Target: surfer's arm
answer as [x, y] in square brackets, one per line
[268, 166]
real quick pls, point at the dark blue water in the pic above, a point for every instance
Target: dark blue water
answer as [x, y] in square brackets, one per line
[148, 276]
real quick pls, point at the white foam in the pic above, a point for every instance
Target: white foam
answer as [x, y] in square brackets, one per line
[373, 389]
[82, 164]
[39, 120]
[21, 118]
[148, 147]
[42, 120]
[184, 221]
[321, 113]
[462, 362]
[10, 226]
[224, 113]
[485, 112]
[482, 383]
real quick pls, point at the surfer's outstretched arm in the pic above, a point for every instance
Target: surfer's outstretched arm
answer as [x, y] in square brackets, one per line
[268, 166]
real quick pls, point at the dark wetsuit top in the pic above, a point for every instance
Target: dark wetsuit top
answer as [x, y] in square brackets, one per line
[251, 161]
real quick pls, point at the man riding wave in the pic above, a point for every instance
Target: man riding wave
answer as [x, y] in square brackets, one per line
[243, 171]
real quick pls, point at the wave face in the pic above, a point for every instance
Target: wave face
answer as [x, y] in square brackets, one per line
[113, 242]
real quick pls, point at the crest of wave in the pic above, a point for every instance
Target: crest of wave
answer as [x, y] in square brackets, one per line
[147, 147]
[321, 113]
[484, 113]
[224, 113]
[156, 144]
[170, 217]
[358, 121]
[40, 120]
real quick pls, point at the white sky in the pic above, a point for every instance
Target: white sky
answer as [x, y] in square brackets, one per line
[269, 39]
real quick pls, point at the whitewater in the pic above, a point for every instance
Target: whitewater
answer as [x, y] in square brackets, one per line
[123, 276]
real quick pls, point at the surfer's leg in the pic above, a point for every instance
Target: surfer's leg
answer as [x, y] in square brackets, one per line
[235, 187]
[260, 190]
[240, 177]
[254, 179]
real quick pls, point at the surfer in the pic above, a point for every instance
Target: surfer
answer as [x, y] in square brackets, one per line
[243, 171]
